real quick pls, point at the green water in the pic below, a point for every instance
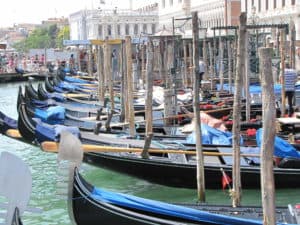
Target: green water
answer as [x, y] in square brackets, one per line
[54, 208]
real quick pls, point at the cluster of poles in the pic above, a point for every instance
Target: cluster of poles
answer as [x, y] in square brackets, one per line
[162, 56]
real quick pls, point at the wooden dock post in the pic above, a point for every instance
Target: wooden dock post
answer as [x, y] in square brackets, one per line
[247, 77]
[205, 58]
[109, 80]
[130, 113]
[229, 52]
[185, 74]
[200, 160]
[149, 92]
[292, 33]
[221, 66]
[101, 83]
[123, 81]
[90, 62]
[236, 129]
[282, 65]
[211, 67]
[267, 147]
[143, 52]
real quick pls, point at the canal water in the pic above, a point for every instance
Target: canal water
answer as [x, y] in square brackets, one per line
[54, 208]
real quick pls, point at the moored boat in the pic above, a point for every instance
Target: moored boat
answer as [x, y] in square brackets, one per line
[91, 205]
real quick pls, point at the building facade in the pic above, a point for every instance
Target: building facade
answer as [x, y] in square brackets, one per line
[211, 13]
[113, 23]
[275, 12]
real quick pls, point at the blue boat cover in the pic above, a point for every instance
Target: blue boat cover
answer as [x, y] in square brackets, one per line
[212, 136]
[56, 96]
[254, 88]
[43, 103]
[163, 208]
[7, 123]
[67, 86]
[76, 80]
[57, 89]
[52, 115]
[282, 148]
[47, 132]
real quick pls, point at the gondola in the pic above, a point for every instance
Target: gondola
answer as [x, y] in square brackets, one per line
[6, 123]
[91, 205]
[178, 170]
[15, 188]
[32, 97]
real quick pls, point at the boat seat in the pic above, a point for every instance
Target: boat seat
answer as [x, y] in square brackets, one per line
[180, 158]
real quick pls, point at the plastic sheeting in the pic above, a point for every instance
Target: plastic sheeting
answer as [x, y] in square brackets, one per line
[47, 132]
[53, 115]
[282, 148]
[212, 136]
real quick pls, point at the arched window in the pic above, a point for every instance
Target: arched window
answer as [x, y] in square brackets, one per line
[109, 30]
[136, 29]
[153, 28]
[100, 30]
[145, 28]
[119, 29]
[127, 29]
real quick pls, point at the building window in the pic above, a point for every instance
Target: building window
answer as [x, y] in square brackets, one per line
[136, 29]
[274, 4]
[100, 30]
[283, 3]
[179, 1]
[252, 3]
[145, 28]
[171, 2]
[246, 5]
[259, 5]
[109, 30]
[267, 4]
[119, 29]
[153, 28]
[163, 3]
[127, 29]
[293, 2]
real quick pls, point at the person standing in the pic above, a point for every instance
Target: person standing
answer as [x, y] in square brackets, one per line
[290, 79]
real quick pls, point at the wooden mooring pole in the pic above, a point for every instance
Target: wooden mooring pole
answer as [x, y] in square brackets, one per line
[200, 160]
[236, 129]
[292, 33]
[130, 113]
[149, 92]
[282, 65]
[267, 147]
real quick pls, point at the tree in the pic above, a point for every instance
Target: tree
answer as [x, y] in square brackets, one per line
[63, 34]
[44, 37]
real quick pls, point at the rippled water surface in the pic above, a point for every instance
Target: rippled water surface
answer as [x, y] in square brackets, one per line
[54, 208]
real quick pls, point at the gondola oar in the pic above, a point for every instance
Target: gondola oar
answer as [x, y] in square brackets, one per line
[75, 95]
[50, 146]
